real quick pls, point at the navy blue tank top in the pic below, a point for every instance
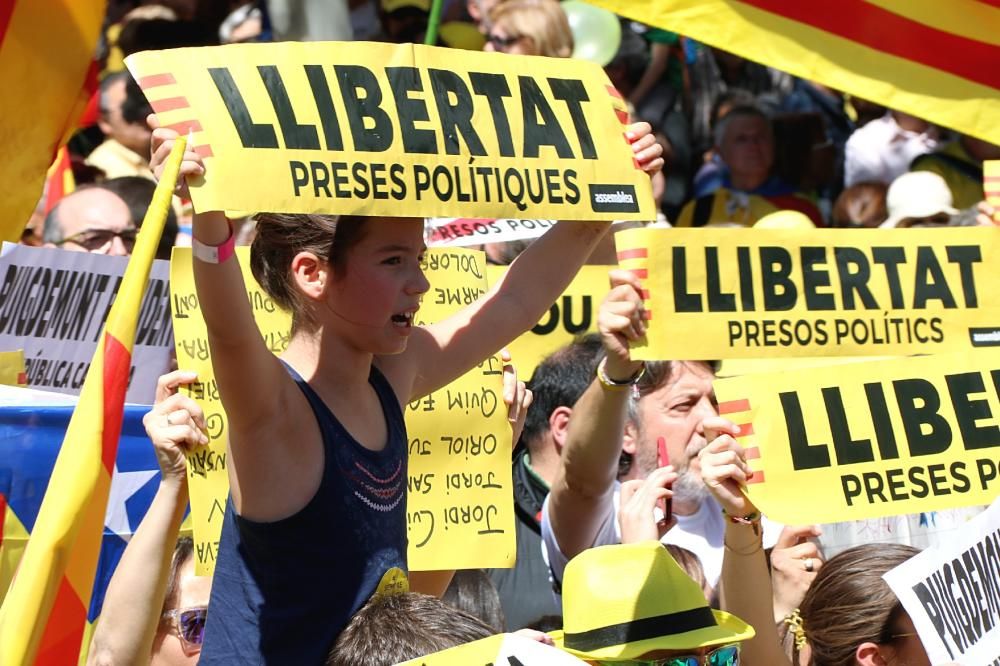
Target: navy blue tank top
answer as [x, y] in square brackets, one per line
[284, 590]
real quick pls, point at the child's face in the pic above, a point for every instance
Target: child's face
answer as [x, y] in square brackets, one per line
[375, 299]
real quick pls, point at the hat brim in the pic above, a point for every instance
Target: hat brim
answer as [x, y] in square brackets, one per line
[729, 629]
[893, 220]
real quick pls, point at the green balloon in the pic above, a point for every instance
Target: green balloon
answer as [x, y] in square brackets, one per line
[597, 33]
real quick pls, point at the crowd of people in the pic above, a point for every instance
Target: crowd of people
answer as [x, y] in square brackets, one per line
[615, 457]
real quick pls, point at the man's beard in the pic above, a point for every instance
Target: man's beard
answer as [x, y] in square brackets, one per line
[689, 488]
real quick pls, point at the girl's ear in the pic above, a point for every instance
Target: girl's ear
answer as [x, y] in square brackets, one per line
[869, 654]
[310, 274]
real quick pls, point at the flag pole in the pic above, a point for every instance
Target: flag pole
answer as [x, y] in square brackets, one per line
[430, 38]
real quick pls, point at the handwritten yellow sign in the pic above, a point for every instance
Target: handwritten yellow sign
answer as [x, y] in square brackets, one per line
[459, 505]
[12, 372]
[865, 440]
[375, 129]
[573, 314]
[751, 293]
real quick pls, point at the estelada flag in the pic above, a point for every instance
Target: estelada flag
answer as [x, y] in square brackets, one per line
[46, 51]
[44, 615]
[936, 60]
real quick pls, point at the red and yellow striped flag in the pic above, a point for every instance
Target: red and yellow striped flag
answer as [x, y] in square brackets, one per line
[44, 614]
[46, 50]
[936, 60]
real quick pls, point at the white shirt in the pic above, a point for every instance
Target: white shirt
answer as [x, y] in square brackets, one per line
[701, 533]
[882, 151]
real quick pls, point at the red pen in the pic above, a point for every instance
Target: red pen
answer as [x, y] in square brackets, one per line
[663, 458]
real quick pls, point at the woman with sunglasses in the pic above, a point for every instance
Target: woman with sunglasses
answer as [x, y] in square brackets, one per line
[529, 27]
[155, 607]
[849, 616]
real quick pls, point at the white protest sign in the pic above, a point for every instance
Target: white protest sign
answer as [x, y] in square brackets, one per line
[53, 304]
[952, 594]
[467, 231]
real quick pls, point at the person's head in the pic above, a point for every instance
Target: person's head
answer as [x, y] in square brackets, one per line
[728, 100]
[745, 142]
[674, 398]
[979, 149]
[394, 628]
[530, 27]
[123, 110]
[91, 219]
[404, 20]
[179, 635]
[137, 193]
[556, 384]
[861, 205]
[479, 12]
[634, 602]
[471, 591]
[851, 617]
[357, 278]
[918, 198]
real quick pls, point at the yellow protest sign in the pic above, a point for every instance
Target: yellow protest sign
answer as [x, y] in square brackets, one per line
[991, 186]
[573, 314]
[208, 480]
[752, 293]
[12, 372]
[460, 510]
[385, 129]
[865, 440]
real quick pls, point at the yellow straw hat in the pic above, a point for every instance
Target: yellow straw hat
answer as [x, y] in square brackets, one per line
[620, 602]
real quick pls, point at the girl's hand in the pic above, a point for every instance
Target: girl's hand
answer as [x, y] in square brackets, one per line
[724, 468]
[648, 151]
[639, 499]
[620, 320]
[161, 144]
[516, 396]
[175, 425]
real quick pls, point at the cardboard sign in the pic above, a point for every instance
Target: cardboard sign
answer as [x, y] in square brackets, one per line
[750, 293]
[459, 508]
[53, 304]
[864, 440]
[573, 314]
[499, 650]
[952, 594]
[379, 129]
[465, 232]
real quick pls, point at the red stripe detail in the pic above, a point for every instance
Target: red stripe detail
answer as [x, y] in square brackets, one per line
[117, 360]
[991, 179]
[636, 164]
[614, 92]
[154, 80]
[204, 151]
[185, 126]
[634, 253]
[60, 643]
[745, 429]
[6, 11]
[644, 293]
[647, 314]
[758, 477]
[169, 104]
[622, 116]
[640, 273]
[733, 406]
[3, 515]
[753, 453]
[22, 379]
[892, 34]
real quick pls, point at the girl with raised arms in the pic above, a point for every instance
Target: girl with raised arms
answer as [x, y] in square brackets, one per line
[317, 444]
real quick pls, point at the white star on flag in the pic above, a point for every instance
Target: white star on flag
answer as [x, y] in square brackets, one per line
[123, 486]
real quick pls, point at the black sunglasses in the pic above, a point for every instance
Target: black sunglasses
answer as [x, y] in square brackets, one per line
[95, 239]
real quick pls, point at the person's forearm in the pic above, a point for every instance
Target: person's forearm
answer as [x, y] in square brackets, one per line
[134, 598]
[593, 441]
[745, 591]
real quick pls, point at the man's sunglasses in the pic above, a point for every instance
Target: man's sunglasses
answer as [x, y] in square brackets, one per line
[95, 239]
[189, 625]
[727, 655]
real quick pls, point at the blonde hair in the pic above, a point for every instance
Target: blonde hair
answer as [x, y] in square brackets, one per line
[542, 21]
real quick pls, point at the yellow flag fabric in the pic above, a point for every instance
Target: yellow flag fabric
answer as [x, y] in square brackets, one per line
[46, 47]
[44, 615]
[933, 60]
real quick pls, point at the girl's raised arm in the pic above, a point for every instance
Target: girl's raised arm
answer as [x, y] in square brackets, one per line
[439, 353]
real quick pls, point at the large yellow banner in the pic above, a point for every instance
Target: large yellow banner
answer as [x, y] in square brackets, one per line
[384, 129]
[460, 511]
[751, 293]
[870, 439]
[573, 314]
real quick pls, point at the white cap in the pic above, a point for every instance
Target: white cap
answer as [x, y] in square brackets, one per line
[917, 194]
